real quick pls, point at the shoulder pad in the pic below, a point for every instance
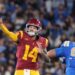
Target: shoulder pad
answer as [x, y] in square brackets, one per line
[44, 41]
[66, 43]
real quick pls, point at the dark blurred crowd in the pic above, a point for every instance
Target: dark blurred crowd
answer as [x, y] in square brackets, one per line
[58, 24]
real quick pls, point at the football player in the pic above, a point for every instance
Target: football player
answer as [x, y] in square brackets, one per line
[28, 47]
[67, 50]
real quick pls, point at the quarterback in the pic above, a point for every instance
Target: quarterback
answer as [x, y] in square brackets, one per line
[67, 50]
[27, 47]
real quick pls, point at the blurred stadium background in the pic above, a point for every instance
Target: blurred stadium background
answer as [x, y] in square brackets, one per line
[58, 22]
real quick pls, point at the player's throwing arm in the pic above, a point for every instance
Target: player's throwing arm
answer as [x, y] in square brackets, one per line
[11, 35]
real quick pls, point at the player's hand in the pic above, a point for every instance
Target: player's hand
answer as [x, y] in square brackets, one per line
[40, 49]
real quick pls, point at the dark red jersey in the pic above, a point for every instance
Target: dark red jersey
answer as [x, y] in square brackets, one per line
[27, 51]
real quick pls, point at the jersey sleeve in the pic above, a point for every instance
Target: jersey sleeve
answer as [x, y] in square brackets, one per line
[19, 34]
[61, 50]
[45, 43]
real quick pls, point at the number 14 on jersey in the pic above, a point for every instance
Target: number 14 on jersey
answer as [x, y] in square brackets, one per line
[30, 53]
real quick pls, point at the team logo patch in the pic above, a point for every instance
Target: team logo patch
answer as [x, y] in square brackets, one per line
[73, 51]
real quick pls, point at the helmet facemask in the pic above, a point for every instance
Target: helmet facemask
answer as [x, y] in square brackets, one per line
[32, 30]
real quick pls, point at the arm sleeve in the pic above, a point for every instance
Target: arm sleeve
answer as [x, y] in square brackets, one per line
[11, 35]
[59, 52]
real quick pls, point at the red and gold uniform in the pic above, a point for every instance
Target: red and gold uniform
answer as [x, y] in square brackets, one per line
[27, 52]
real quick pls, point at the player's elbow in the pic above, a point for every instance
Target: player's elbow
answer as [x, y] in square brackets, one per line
[13, 37]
